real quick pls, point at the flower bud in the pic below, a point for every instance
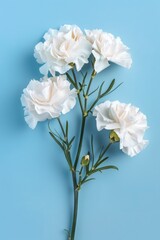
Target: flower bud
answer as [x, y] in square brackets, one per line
[85, 160]
[114, 137]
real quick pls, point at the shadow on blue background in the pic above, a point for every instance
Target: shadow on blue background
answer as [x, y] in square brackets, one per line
[35, 185]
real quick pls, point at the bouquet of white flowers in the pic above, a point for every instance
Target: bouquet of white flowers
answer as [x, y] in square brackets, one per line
[63, 54]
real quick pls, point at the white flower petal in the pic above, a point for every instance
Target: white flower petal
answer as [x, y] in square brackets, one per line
[100, 62]
[127, 121]
[31, 121]
[44, 69]
[60, 48]
[134, 150]
[47, 99]
[107, 48]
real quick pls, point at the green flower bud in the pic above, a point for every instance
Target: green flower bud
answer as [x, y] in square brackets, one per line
[114, 137]
[85, 160]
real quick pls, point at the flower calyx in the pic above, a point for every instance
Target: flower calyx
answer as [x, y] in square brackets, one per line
[114, 137]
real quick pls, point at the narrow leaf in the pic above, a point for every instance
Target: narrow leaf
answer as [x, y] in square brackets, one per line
[67, 129]
[61, 126]
[56, 140]
[58, 136]
[89, 179]
[111, 85]
[71, 141]
[100, 162]
[110, 91]
[93, 91]
[71, 80]
[100, 89]
[116, 87]
[104, 168]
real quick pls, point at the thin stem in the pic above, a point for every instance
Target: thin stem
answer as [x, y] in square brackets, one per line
[106, 149]
[76, 84]
[75, 212]
[74, 76]
[80, 141]
[80, 102]
[93, 74]
[74, 178]
[83, 117]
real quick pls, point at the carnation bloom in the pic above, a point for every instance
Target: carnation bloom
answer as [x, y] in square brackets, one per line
[47, 99]
[126, 121]
[107, 48]
[61, 49]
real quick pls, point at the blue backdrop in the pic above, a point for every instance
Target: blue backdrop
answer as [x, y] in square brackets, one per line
[35, 186]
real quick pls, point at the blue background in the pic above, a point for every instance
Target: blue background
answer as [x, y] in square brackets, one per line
[35, 186]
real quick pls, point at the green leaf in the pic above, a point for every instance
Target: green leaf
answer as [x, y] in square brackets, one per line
[100, 162]
[71, 80]
[93, 91]
[56, 140]
[61, 126]
[59, 137]
[109, 88]
[71, 141]
[109, 92]
[111, 85]
[116, 87]
[89, 179]
[67, 129]
[104, 168]
[100, 89]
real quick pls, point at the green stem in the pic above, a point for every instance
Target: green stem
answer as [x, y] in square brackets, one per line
[84, 115]
[80, 102]
[93, 74]
[106, 149]
[75, 212]
[80, 141]
[78, 93]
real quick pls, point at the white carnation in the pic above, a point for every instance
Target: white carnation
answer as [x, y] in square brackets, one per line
[128, 123]
[47, 99]
[107, 48]
[61, 48]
